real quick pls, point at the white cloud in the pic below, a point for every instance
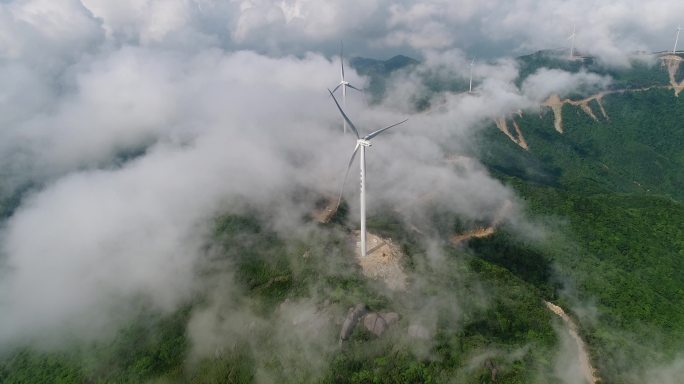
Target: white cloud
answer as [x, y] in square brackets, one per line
[545, 82]
[221, 130]
[226, 105]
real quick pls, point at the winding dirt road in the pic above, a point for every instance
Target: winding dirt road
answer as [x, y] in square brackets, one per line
[588, 370]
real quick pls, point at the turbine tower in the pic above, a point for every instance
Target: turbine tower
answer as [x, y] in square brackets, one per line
[361, 144]
[679, 29]
[572, 44]
[344, 84]
[470, 89]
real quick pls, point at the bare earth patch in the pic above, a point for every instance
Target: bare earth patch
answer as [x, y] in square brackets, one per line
[556, 104]
[482, 232]
[383, 262]
[518, 137]
[325, 210]
[475, 233]
[673, 62]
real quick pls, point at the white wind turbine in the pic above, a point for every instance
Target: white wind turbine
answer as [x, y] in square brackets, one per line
[361, 143]
[679, 29]
[470, 89]
[572, 45]
[344, 84]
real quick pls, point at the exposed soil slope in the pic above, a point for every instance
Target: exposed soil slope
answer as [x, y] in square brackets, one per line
[556, 104]
[518, 137]
[481, 232]
[672, 62]
[325, 210]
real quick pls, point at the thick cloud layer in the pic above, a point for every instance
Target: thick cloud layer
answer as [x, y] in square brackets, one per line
[491, 28]
[89, 85]
[133, 123]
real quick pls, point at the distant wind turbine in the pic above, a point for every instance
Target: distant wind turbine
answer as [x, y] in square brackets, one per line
[572, 45]
[344, 84]
[361, 143]
[679, 29]
[470, 89]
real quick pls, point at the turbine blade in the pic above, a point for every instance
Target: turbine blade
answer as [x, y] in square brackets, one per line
[353, 127]
[335, 89]
[342, 60]
[379, 131]
[353, 87]
[346, 175]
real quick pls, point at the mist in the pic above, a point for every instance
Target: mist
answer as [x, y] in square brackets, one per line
[127, 127]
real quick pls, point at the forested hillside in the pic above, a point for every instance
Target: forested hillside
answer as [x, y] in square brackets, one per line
[605, 194]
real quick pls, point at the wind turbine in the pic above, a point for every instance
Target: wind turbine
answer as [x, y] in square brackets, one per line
[344, 84]
[361, 144]
[674, 50]
[572, 38]
[470, 89]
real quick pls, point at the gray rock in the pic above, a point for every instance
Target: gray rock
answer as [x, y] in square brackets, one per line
[489, 364]
[390, 317]
[375, 323]
[353, 315]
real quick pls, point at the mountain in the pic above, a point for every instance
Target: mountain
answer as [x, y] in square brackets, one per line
[378, 71]
[366, 66]
[613, 174]
[601, 172]
[608, 166]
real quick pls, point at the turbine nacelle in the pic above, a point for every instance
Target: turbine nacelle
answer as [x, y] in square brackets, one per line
[345, 84]
[363, 142]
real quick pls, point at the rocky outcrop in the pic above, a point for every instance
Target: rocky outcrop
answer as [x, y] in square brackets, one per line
[353, 316]
[375, 322]
[489, 364]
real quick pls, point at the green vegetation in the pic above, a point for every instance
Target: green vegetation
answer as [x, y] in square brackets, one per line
[612, 192]
[474, 306]
[640, 149]
[34, 367]
[622, 252]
